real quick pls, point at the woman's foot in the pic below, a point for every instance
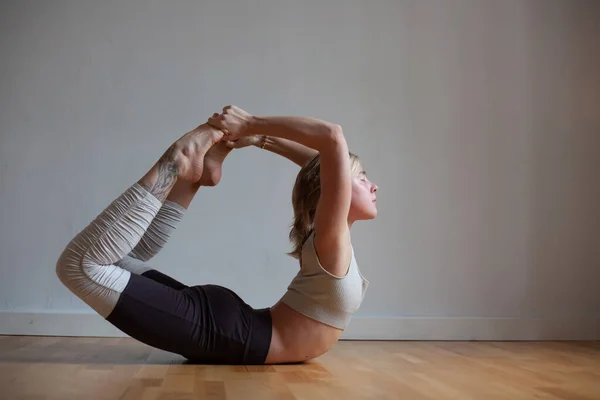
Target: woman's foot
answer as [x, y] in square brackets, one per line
[213, 162]
[191, 150]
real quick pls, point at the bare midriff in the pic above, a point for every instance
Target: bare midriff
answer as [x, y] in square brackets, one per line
[296, 337]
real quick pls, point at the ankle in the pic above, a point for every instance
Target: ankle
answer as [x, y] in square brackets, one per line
[206, 128]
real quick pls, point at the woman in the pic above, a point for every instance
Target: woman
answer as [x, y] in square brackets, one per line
[106, 263]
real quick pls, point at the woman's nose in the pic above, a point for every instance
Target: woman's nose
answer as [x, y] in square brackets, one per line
[375, 187]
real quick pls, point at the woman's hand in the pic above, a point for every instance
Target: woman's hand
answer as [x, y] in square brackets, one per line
[233, 121]
[254, 140]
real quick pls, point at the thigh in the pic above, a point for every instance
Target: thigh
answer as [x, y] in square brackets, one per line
[231, 316]
[239, 333]
[207, 324]
[139, 267]
[159, 316]
[159, 277]
[228, 322]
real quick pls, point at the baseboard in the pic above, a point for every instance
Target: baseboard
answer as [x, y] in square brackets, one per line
[360, 328]
[485, 329]
[56, 324]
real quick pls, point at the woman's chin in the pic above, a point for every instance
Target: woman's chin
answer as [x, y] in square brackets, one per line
[371, 214]
[364, 214]
[373, 211]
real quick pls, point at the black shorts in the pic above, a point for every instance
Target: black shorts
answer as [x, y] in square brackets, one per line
[206, 324]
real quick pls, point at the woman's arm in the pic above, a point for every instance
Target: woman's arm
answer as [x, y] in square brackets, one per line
[332, 233]
[289, 149]
[311, 133]
[295, 152]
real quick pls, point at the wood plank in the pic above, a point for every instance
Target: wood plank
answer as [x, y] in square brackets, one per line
[121, 368]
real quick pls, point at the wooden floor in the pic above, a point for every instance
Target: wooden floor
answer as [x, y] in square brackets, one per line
[101, 368]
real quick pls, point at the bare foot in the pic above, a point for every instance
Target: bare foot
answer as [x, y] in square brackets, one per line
[213, 161]
[192, 148]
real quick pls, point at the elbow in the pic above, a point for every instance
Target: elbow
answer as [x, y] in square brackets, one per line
[336, 132]
[335, 135]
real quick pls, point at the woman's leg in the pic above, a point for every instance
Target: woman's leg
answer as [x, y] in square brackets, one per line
[143, 268]
[168, 217]
[153, 240]
[160, 230]
[87, 265]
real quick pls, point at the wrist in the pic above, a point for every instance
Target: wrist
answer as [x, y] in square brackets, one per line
[261, 141]
[255, 126]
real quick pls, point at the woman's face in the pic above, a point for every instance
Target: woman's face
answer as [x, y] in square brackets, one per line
[363, 205]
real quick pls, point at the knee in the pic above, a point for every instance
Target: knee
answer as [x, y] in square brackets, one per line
[65, 266]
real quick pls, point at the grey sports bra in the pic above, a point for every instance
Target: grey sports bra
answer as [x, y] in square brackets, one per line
[322, 296]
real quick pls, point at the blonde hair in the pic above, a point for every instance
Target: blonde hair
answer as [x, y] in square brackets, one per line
[305, 197]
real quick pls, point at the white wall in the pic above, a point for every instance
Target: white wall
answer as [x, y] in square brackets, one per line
[479, 120]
